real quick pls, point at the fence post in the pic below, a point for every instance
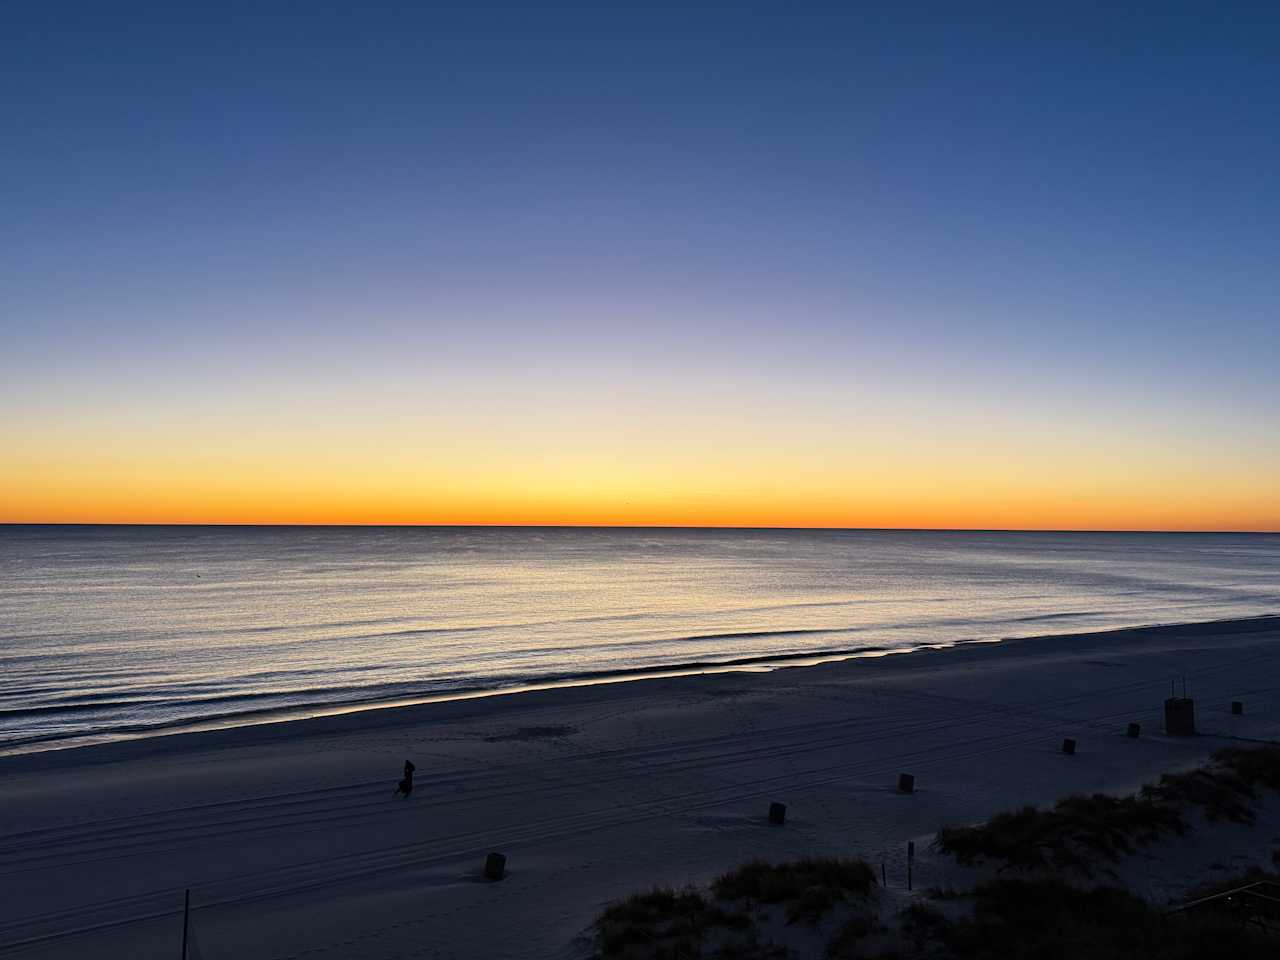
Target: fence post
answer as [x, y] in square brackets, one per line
[186, 918]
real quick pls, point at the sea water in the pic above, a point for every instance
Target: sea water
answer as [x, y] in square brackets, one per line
[108, 632]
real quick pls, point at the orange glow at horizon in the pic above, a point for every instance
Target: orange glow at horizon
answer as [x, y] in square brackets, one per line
[736, 460]
[106, 496]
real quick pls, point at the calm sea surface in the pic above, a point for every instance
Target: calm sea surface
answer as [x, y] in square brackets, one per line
[111, 631]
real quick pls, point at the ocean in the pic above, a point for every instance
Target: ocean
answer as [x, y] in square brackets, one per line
[113, 632]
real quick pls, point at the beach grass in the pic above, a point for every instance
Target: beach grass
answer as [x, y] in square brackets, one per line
[1075, 833]
[1226, 788]
[1079, 831]
[808, 888]
[1048, 918]
[663, 922]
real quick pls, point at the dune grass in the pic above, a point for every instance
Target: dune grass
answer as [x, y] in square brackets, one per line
[808, 887]
[1226, 788]
[668, 923]
[1079, 831]
[1074, 833]
[662, 922]
[850, 939]
[1049, 919]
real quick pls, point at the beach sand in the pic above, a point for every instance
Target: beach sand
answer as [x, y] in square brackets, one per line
[293, 845]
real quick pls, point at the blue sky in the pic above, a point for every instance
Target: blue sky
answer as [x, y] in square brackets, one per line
[1062, 217]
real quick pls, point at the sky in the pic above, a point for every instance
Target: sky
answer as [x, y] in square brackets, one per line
[746, 264]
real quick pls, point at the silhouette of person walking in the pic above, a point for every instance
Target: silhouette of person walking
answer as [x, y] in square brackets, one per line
[406, 785]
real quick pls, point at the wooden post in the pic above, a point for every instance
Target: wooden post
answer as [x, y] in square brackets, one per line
[186, 919]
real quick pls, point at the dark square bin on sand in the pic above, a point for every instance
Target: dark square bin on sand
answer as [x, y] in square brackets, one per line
[1180, 717]
[495, 866]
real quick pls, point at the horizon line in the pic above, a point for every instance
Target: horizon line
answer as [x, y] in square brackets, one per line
[622, 526]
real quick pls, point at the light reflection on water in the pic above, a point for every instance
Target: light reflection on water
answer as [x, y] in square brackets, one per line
[110, 630]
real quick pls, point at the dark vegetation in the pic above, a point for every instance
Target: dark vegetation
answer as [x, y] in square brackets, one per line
[1005, 919]
[1234, 882]
[852, 935]
[666, 923]
[1048, 919]
[1079, 831]
[663, 923]
[1074, 833]
[808, 887]
[1226, 788]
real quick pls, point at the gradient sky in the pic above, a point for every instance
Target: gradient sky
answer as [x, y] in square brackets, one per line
[961, 265]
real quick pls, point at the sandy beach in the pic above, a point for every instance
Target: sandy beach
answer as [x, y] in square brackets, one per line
[292, 843]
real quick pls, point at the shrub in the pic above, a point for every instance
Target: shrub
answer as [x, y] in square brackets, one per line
[846, 944]
[921, 923]
[1075, 831]
[1226, 788]
[1256, 766]
[1222, 796]
[1079, 830]
[1047, 919]
[775, 883]
[666, 921]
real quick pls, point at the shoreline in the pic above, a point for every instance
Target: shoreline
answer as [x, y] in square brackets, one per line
[291, 843]
[303, 720]
[120, 635]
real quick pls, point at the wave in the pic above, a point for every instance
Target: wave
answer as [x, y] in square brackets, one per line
[105, 632]
[327, 700]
